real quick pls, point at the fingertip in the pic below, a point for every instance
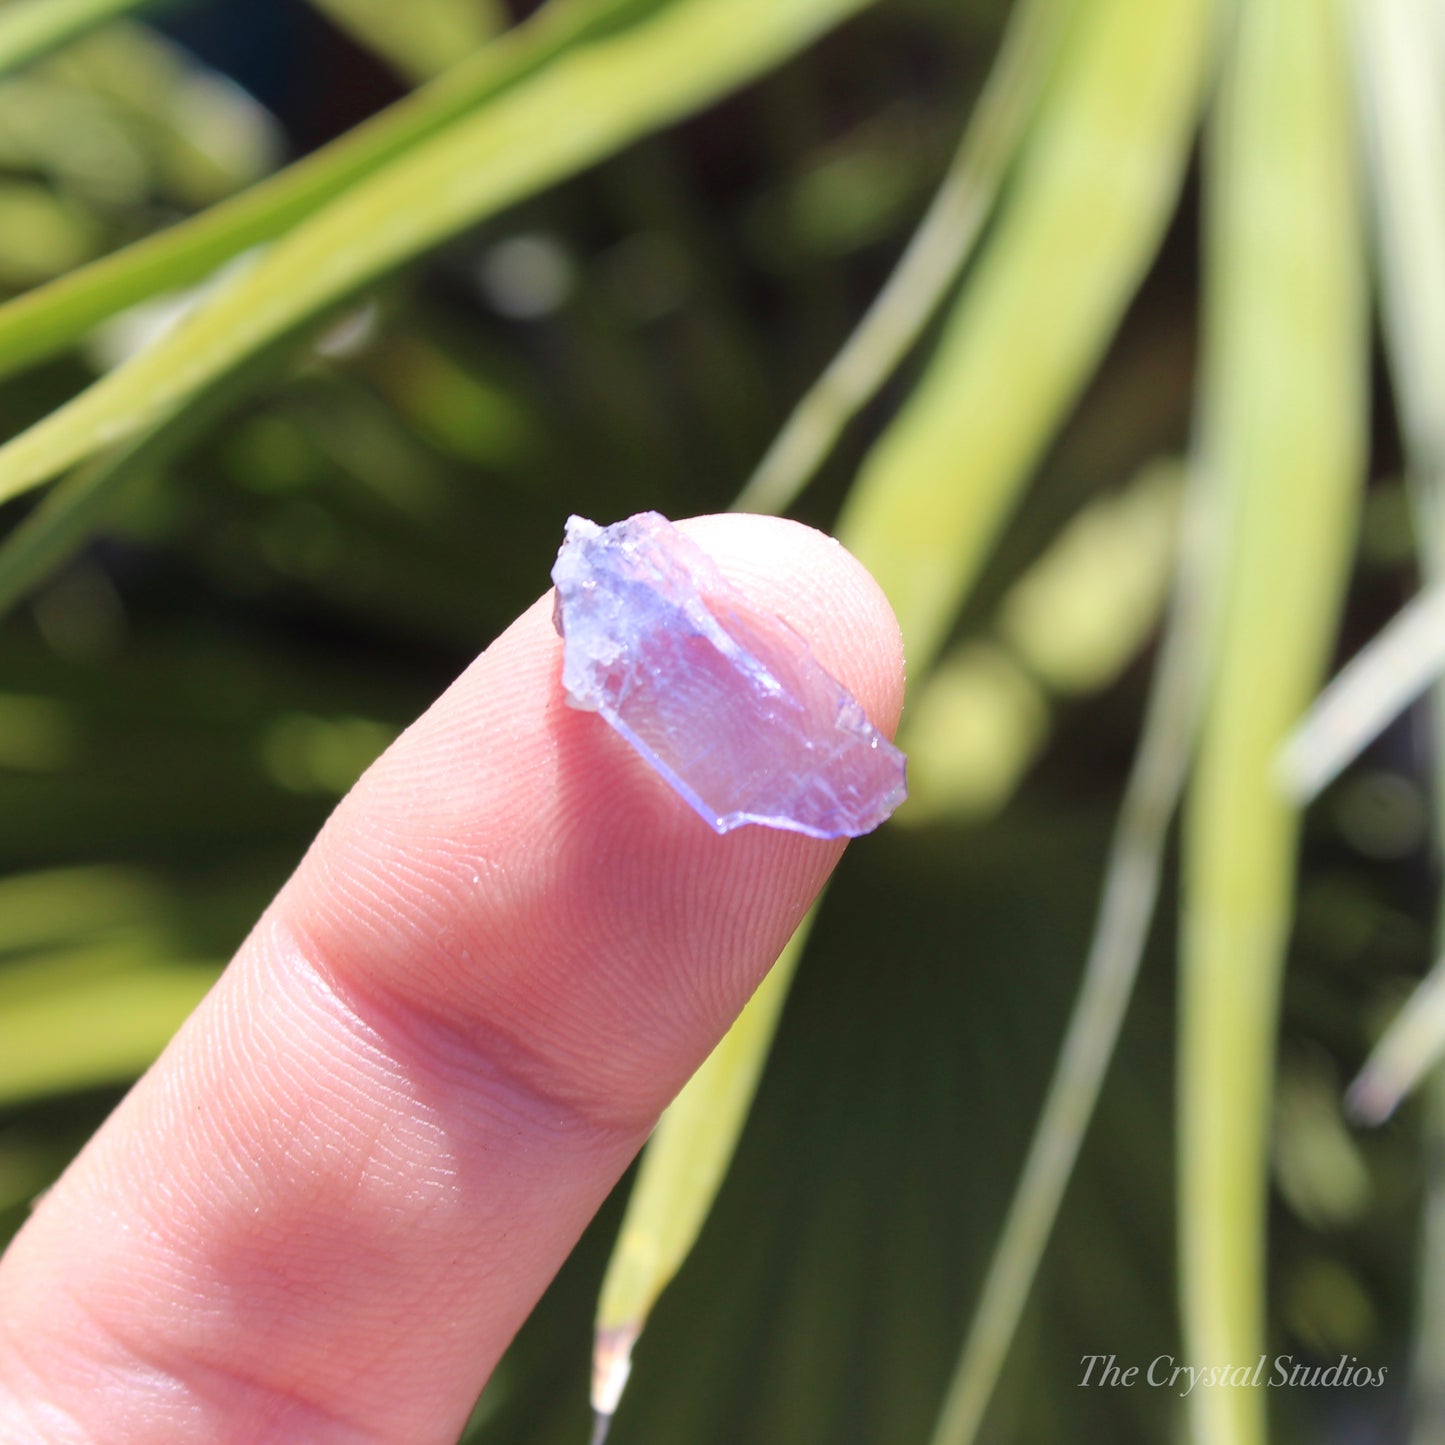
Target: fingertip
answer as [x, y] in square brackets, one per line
[380, 1135]
[512, 860]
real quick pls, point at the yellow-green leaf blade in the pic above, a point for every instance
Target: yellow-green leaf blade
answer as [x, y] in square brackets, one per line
[30, 29]
[81, 503]
[682, 1170]
[1121, 927]
[1401, 58]
[1095, 190]
[588, 103]
[931, 264]
[1283, 444]
[90, 1018]
[421, 38]
[51, 317]
[1410, 1048]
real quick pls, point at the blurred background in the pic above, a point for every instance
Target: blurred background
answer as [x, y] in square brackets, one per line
[217, 626]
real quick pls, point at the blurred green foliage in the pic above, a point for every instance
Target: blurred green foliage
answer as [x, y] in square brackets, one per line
[276, 542]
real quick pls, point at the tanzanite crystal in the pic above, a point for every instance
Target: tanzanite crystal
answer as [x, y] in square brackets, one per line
[729, 706]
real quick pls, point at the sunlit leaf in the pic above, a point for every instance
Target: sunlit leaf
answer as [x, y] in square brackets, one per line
[58, 906]
[32, 28]
[682, 1169]
[1410, 1048]
[422, 37]
[74, 510]
[590, 101]
[1121, 928]
[1283, 441]
[96, 1017]
[1377, 685]
[979, 723]
[928, 268]
[52, 317]
[1400, 51]
[1094, 191]
[1090, 602]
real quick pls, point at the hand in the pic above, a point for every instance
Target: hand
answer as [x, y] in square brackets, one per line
[322, 1215]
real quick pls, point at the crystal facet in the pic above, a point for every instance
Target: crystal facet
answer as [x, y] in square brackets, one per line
[728, 705]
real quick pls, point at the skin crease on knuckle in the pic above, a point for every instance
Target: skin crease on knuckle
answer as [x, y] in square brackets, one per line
[358, 1165]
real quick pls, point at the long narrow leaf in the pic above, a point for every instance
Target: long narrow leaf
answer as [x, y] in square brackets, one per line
[1407, 1051]
[1376, 686]
[1401, 50]
[421, 38]
[1095, 190]
[688, 1155]
[935, 256]
[681, 1172]
[59, 906]
[1069, 625]
[79, 506]
[54, 316]
[30, 29]
[89, 1018]
[1282, 445]
[1131, 890]
[590, 102]
[1401, 54]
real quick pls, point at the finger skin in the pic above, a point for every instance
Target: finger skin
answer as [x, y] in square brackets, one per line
[325, 1211]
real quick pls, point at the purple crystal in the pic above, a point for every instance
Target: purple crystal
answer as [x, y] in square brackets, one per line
[729, 706]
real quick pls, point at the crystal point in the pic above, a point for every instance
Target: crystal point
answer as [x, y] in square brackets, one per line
[729, 705]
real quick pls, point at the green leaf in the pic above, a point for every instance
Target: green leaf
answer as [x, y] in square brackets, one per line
[61, 905]
[1401, 62]
[1409, 1049]
[78, 506]
[30, 29]
[1070, 624]
[421, 38]
[588, 103]
[1400, 50]
[1094, 192]
[90, 1018]
[682, 1170]
[1121, 929]
[52, 317]
[1376, 686]
[929, 267]
[1284, 431]
[66, 519]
